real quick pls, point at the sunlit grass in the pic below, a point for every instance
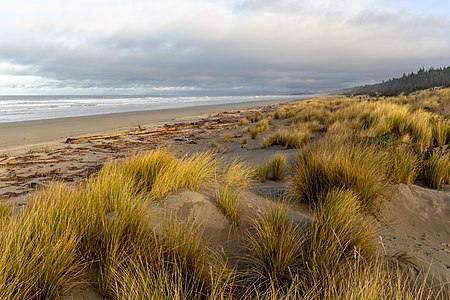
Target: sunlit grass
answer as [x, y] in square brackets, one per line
[437, 170]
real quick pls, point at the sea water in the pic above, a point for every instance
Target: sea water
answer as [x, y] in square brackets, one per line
[26, 108]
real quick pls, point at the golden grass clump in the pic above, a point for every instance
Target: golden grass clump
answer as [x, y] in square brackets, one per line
[244, 122]
[441, 131]
[400, 164]
[261, 172]
[419, 127]
[262, 126]
[227, 138]
[276, 166]
[39, 257]
[274, 245]
[291, 139]
[5, 213]
[339, 238]
[436, 170]
[235, 176]
[160, 173]
[255, 117]
[325, 166]
[173, 264]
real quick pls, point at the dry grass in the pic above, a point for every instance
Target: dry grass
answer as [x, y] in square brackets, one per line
[274, 245]
[171, 265]
[261, 172]
[291, 139]
[234, 177]
[276, 166]
[441, 131]
[5, 213]
[227, 138]
[255, 117]
[325, 166]
[160, 173]
[339, 237]
[401, 164]
[244, 122]
[39, 256]
[437, 170]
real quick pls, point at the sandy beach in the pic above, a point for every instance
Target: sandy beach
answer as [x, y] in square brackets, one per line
[35, 154]
[29, 134]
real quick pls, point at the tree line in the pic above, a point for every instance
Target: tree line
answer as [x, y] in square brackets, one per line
[408, 83]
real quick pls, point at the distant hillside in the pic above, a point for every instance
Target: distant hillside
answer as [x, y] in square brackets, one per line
[423, 79]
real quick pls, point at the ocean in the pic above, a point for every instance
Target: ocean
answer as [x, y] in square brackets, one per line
[27, 108]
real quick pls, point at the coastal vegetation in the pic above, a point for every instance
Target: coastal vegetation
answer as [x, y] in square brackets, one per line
[350, 151]
[407, 83]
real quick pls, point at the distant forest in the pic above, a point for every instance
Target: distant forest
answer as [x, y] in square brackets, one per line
[408, 83]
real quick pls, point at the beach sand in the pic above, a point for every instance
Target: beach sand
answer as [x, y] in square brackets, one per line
[415, 220]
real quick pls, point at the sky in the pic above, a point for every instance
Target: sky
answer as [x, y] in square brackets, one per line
[215, 46]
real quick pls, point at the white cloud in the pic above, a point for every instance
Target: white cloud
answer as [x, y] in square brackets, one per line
[212, 44]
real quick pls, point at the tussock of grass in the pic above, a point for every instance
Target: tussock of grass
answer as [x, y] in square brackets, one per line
[262, 126]
[235, 176]
[170, 265]
[274, 245]
[401, 164]
[227, 138]
[289, 139]
[39, 256]
[254, 133]
[276, 166]
[339, 236]
[5, 213]
[255, 117]
[437, 170]
[441, 132]
[226, 199]
[261, 172]
[325, 166]
[160, 173]
[244, 122]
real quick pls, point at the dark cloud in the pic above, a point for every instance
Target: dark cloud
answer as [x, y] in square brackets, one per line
[214, 45]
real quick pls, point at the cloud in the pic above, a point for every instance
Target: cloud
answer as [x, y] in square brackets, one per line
[264, 45]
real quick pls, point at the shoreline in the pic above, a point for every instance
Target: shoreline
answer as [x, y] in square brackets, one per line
[26, 135]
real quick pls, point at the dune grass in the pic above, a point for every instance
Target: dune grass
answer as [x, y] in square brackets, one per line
[440, 131]
[276, 165]
[234, 177]
[244, 122]
[291, 139]
[326, 166]
[103, 223]
[227, 138]
[401, 164]
[437, 169]
[339, 237]
[274, 245]
[39, 256]
[160, 173]
[261, 172]
[5, 213]
[173, 264]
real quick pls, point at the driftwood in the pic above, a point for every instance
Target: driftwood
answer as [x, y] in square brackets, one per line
[33, 162]
[116, 135]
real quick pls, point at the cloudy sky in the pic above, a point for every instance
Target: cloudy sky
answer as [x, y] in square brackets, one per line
[215, 46]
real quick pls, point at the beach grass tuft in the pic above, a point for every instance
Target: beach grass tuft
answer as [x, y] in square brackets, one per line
[437, 170]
